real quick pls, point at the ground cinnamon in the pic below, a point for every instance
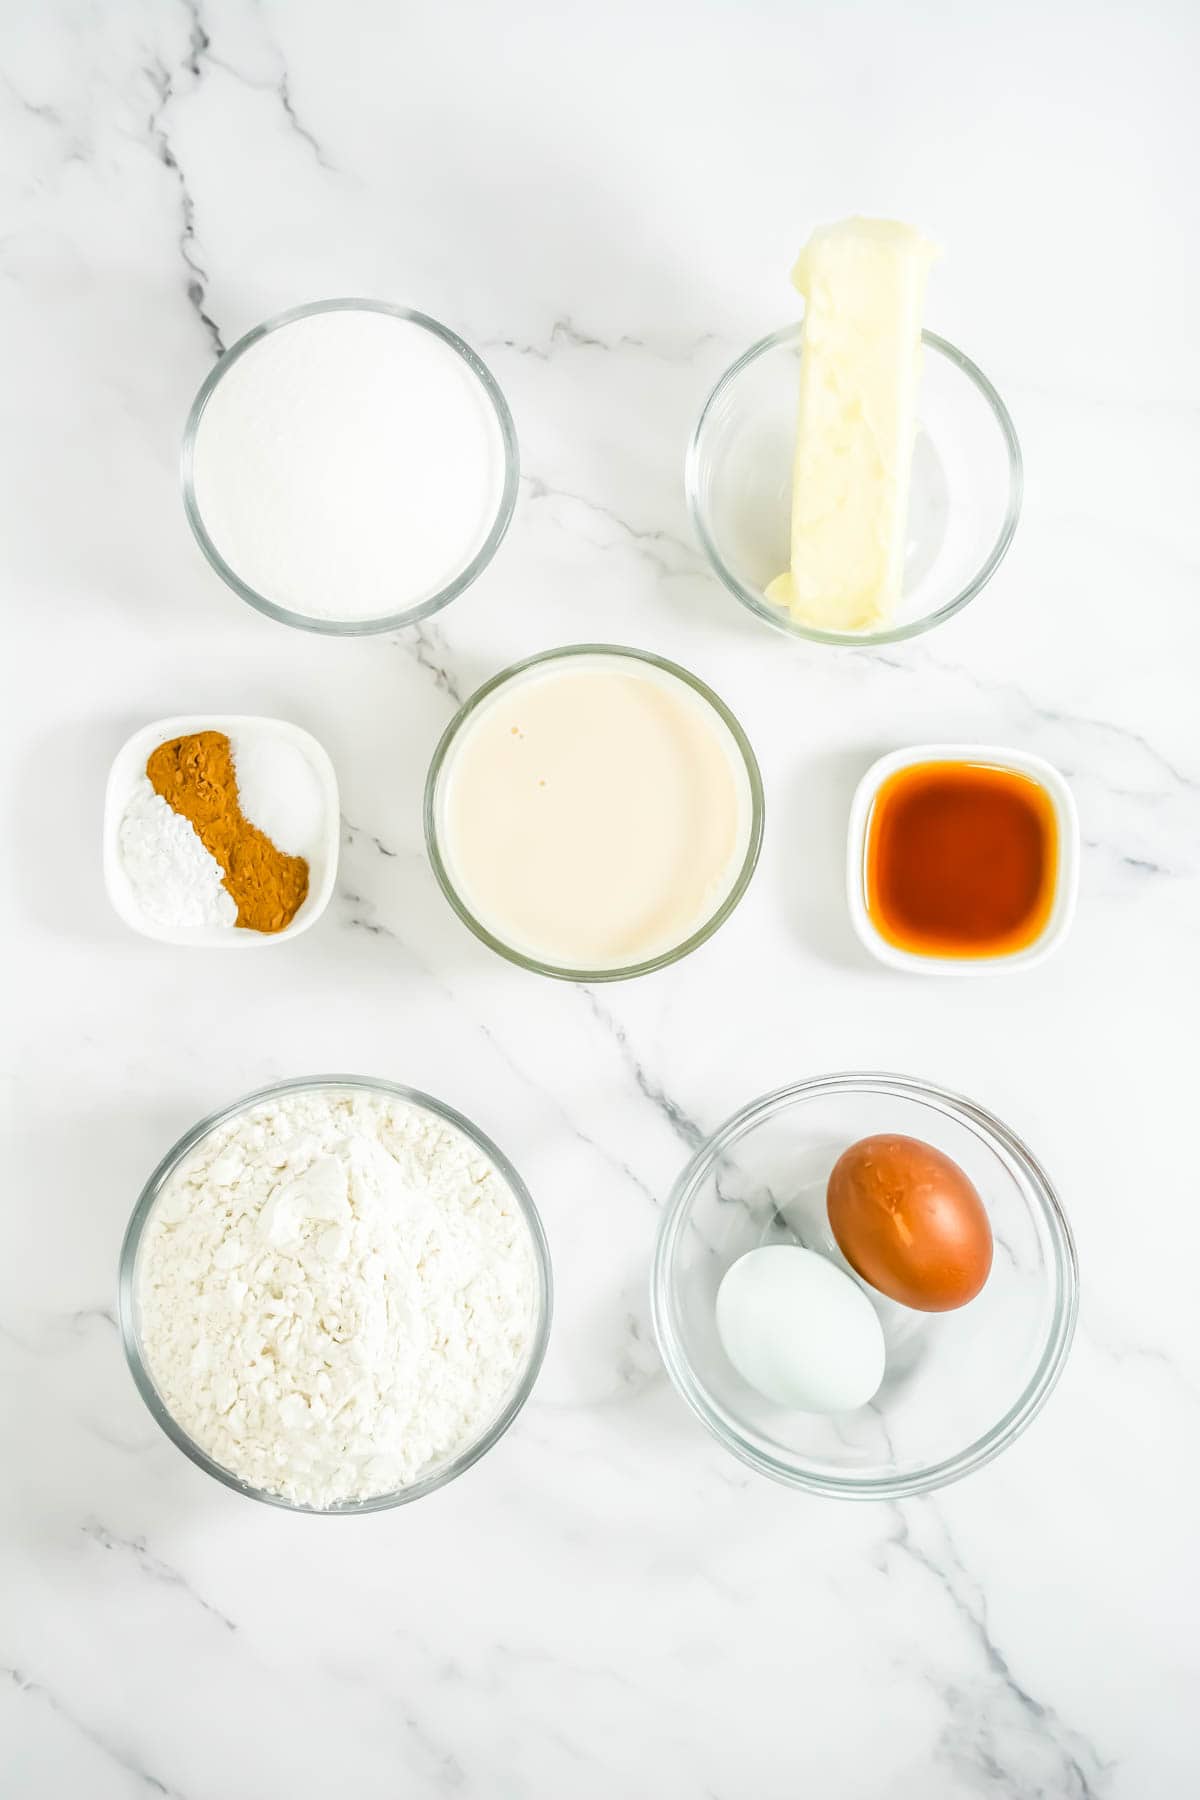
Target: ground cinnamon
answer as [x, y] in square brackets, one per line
[196, 776]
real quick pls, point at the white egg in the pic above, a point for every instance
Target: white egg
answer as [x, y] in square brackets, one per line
[799, 1330]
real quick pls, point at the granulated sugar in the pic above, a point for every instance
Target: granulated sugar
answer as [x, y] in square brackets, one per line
[336, 1294]
[348, 465]
[278, 790]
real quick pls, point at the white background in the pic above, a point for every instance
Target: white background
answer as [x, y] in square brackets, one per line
[606, 200]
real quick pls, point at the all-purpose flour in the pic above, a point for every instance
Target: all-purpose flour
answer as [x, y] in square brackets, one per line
[336, 1293]
[348, 465]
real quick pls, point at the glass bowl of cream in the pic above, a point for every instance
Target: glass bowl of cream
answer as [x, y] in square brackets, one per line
[959, 1386]
[964, 498]
[349, 467]
[594, 813]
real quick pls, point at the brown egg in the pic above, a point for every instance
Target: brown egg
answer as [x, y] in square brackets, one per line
[907, 1220]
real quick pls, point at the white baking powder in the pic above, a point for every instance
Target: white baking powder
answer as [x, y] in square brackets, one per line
[176, 881]
[278, 790]
[348, 465]
[336, 1294]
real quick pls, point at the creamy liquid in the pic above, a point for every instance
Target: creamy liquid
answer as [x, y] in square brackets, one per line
[594, 812]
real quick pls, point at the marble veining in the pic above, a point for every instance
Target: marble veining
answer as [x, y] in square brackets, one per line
[605, 202]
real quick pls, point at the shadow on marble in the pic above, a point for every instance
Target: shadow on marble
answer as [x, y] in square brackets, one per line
[54, 824]
[708, 603]
[809, 817]
[77, 1436]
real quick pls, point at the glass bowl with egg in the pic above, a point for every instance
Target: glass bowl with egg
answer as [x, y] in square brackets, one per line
[964, 499]
[949, 1385]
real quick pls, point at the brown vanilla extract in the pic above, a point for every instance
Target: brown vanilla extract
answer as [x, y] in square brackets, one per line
[961, 859]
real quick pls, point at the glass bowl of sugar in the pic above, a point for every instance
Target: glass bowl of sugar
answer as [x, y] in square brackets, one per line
[349, 467]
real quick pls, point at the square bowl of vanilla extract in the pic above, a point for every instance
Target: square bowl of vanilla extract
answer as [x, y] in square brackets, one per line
[962, 859]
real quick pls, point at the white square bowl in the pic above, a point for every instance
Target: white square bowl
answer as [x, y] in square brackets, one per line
[131, 761]
[1066, 883]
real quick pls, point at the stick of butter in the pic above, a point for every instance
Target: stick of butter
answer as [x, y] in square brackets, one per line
[863, 283]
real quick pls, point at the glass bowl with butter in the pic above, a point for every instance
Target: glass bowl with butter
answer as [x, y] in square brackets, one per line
[964, 498]
[958, 1385]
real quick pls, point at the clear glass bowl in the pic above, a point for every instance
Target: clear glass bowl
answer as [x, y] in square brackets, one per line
[959, 1386]
[130, 1322]
[402, 616]
[434, 797]
[963, 506]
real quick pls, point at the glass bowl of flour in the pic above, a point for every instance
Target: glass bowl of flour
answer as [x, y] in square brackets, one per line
[335, 1295]
[349, 467]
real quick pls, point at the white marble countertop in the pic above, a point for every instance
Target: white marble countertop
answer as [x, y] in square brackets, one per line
[605, 200]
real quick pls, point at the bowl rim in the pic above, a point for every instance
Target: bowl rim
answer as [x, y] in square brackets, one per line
[1018, 1415]
[666, 957]
[776, 616]
[126, 1298]
[409, 615]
